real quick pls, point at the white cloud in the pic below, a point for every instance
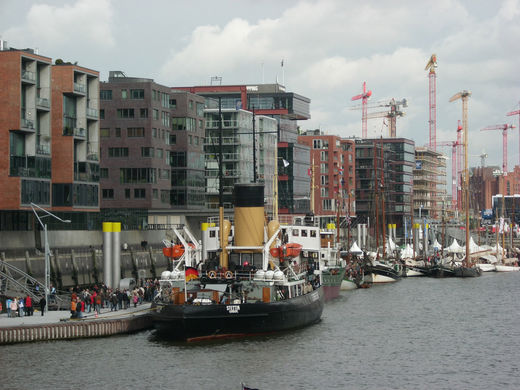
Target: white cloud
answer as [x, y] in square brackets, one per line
[85, 23]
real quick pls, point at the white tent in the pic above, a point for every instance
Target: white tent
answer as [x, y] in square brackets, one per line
[390, 246]
[354, 249]
[455, 247]
[436, 245]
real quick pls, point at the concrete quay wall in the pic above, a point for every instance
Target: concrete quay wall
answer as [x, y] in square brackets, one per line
[74, 330]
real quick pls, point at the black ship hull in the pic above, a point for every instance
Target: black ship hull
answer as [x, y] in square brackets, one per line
[383, 274]
[440, 271]
[192, 322]
[467, 272]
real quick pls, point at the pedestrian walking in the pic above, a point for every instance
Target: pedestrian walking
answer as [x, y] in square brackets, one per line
[43, 303]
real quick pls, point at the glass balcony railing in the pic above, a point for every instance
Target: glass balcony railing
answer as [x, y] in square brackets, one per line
[26, 124]
[30, 166]
[80, 132]
[92, 112]
[28, 75]
[43, 149]
[78, 87]
[86, 171]
[43, 102]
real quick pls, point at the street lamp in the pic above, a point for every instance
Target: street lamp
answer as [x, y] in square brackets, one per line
[47, 250]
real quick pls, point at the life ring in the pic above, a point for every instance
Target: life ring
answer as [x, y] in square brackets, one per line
[212, 274]
[228, 275]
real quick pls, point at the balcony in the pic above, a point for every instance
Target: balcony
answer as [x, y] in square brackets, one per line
[44, 149]
[28, 76]
[86, 171]
[27, 125]
[80, 88]
[30, 166]
[92, 113]
[80, 132]
[43, 103]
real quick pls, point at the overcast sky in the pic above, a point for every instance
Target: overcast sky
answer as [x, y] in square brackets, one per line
[328, 47]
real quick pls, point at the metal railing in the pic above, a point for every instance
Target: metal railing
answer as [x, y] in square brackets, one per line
[80, 132]
[43, 149]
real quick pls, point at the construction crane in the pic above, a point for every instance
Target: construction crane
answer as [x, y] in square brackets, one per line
[364, 99]
[504, 129]
[482, 156]
[392, 114]
[464, 95]
[454, 174]
[460, 157]
[517, 112]
[432, 76]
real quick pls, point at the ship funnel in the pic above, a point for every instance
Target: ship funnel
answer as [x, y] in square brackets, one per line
[249, 215]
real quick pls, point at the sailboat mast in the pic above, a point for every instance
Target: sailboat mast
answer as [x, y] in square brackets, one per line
[383, 201]
[466, 172]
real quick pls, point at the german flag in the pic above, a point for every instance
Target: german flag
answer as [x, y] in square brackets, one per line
[191, 273]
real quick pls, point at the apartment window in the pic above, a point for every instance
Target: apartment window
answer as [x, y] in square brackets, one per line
[154, 132]
[196, 140]
[125, 113]
[127, 193]
[165, 119]
[349, 158]
[324, 156]
[155, 193]
[173, 139]
[324, 192]
[139, 193]
[190, 139]
[159, 153]
[117, 152]
[326, 204]
[102, 113]
[134, 132]
[105, 95]
[124, 94]
[324, 168]
[316, 143]
[200, 123]
[191, 104]
[173, 103]
[103, 173]
[137, 94]
[143, 112]
[200, 109]
[178, 159]
[108, 193]
[165, 100]
[324, 180]
[137, 175]
[147, 152]
[178, 123]
[118, 132]
[104, 133]
[155, 114]
[155, 94]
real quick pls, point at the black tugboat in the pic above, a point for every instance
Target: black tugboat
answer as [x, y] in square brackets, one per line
[238, 289]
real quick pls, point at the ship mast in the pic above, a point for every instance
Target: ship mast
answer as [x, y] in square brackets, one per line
[382, 184]
[223, 258]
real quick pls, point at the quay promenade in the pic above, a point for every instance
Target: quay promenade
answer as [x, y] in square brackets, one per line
[57, 325]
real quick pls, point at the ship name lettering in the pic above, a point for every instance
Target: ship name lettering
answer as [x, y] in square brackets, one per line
[233, 309]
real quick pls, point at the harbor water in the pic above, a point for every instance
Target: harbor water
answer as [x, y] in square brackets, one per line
[419, 333]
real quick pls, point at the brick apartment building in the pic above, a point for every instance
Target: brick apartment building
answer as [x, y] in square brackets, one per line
[333, 166]
[49, 135]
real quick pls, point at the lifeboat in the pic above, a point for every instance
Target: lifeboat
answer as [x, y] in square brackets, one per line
[175, 251]
[287, 251]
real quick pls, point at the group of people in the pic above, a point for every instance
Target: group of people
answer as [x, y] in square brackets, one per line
[22, 306]
[94, 299]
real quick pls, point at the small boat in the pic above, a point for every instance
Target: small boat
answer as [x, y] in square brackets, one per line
[383, 273]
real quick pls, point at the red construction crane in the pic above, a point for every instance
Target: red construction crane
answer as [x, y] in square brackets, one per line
[504, 129]
[517, 112]
[454, 174]
[364, 99]
[432, 92]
